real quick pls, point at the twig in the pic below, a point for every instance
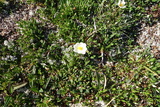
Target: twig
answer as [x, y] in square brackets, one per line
[105, 80]
[151, 71]
[111, 100]
[19, 86]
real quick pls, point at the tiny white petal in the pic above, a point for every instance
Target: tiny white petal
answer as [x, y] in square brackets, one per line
[100, 104]
[43, 64]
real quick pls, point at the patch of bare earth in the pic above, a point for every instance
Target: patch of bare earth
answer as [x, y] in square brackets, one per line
[19, 12]
[150, 38]
[150, 35]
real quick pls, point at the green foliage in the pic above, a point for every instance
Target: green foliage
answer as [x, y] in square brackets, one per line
[49, 73]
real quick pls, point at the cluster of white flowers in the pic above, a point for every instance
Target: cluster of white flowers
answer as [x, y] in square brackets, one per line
[9, 57]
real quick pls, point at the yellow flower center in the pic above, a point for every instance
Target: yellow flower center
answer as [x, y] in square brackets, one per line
[80, 48]
[121, 4]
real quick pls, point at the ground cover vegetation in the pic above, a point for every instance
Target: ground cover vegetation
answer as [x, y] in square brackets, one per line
[90, 54]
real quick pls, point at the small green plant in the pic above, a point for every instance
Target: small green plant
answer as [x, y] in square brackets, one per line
[89, 56]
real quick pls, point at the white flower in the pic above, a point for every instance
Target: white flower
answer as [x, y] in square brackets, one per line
[80, 48]
[51, 62]
[121, 4]
[100, 104]
[67, 51]
[31, 13]
[9, 57]
[8, 43]
[67, 54]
